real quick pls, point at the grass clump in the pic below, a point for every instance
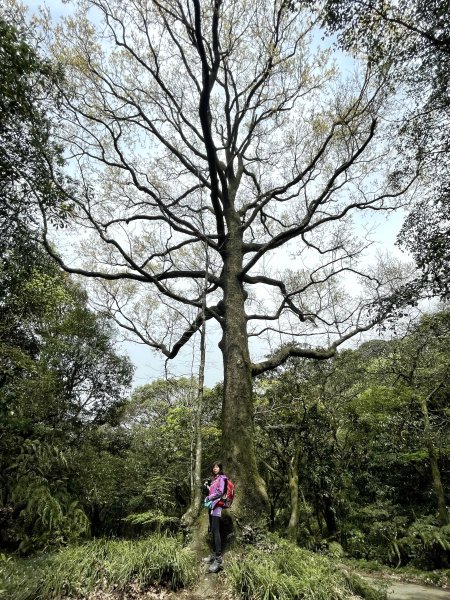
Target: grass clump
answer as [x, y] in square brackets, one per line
[285, 572]
[260, 579]
[115, 564]
[110, 565]
[21, 578]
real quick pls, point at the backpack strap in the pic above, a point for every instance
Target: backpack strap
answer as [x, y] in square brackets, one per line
[225, 487]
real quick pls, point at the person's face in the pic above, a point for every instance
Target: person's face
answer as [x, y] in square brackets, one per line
[216, 469]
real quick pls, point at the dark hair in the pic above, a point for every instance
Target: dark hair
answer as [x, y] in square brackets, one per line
[219, 464]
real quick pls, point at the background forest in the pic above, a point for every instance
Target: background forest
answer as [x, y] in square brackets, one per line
[348, 444]
[355, 451]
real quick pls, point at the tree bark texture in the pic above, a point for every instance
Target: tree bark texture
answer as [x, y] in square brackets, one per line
[196, 480]
[238, 448]
[293, 488]
[435, 473]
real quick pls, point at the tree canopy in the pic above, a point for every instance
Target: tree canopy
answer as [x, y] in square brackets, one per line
[209, 142]
[60, 373]
[412, 40]
[30, 159]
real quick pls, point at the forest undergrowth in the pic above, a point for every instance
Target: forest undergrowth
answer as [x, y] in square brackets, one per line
[158, 566]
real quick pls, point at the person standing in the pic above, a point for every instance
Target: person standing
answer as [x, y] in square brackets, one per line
[215, 493]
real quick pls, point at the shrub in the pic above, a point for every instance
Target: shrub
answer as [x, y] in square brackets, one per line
[335, 550]
[101, 565]
[425, 544]
[286, 572]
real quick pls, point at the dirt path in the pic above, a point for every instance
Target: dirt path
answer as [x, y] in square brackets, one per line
[413, 591]
[208, 588]
[399, 590]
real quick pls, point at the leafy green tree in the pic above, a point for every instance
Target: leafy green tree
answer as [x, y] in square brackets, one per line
[357, 426]
[299, 412]
[412, 39]
[158, 420]
[397, 425]
[59, 370]
[30, 162]
[421, 361]
[60, 375]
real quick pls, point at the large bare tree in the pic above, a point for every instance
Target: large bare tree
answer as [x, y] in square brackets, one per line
[216, 124]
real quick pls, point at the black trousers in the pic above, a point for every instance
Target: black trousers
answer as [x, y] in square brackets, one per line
[217, 541]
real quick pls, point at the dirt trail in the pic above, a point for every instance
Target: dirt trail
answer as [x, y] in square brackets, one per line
[412, 591]
[208, 588]
[399, 590]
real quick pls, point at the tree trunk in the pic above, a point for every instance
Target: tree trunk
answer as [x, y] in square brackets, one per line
[272, 517]
[293, 488]
[238, 450]
[196, 480]
[329, 515]
[196, 486]
[435, 473]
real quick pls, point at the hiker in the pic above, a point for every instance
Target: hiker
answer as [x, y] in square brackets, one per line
[215, 492]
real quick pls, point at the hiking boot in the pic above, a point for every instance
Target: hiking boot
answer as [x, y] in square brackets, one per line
[209, 559]
[216, 565]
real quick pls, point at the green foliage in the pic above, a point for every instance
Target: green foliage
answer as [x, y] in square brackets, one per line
[160, 489]
[425, 544]
[155, 519]
[60, 376]
[49, 515]
[159, 495]
[335, 550]
[21, 579]
[59, 368]
[357, 423]
[390, 538]
[30, 162]
[293, 420]
[410, 41]
[283, 571]
[115, 564]
[154, 481]
[99, 565]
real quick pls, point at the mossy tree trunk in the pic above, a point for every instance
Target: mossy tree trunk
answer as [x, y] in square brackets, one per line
[238, 447]
[432, 457]
[293, 488]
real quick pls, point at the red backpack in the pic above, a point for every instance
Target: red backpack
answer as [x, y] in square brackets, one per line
[228, 494]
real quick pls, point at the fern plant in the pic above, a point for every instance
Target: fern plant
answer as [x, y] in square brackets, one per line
[155, 519]
[425, 544]
[49, 515]
[157, 497]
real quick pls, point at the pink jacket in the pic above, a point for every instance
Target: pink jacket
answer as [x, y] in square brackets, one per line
[216, 489]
